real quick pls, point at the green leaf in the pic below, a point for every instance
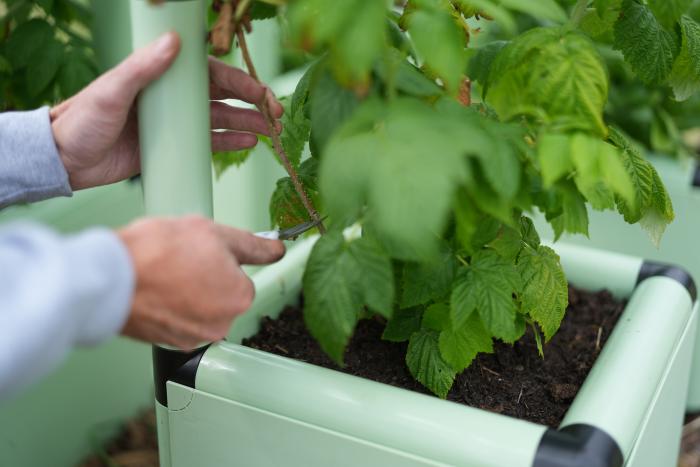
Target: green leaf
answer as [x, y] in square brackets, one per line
[336, 285]
[487, 286]
[669, 12]
[648, 47]
[26, 40]
[437, 317]
[222, 160]
[407, 78]
[603, 6]
[480, 63]
[376, 280]
[685, 76]
[47, 5]
[440, 43]
[545, 9]
[652, 206]
[43, 68]
[286, 207]
[331, 105]
[260, 10]
[596, 26]
[427, 365]
[508, 243]
[426, 281]
[545, 293]
[600, 172]
[353, 31]
[296, 128]
[553, 155]
[528, 232]
[403, 324]
[338, 280]
[551, 74]
[574, 216]
[387, 165]
[332, 302]
[75, 73]
[460, 346]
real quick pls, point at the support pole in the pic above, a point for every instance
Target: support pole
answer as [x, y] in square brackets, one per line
[174, 130]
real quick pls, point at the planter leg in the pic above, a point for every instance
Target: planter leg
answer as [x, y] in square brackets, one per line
[174, 129]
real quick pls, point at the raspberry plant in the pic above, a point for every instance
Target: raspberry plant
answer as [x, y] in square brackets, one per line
[440, 147]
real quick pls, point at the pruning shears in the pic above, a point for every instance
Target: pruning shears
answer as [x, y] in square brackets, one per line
[290, 233]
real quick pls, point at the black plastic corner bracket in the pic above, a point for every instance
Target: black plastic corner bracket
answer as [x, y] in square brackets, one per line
[578, 446]
[654, 269]
[696, 176]
[174, 365]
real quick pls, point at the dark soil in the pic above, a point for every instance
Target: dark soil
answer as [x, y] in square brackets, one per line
[136, 445]
[513, 381]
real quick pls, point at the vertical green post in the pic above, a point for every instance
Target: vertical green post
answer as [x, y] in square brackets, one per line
[174, 128]
[174, 112]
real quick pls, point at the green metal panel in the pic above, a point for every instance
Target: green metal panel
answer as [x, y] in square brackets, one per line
[206, 437]
[108, 206]
[111, 31]
[51, 423]
[174, 112]
[405, 421]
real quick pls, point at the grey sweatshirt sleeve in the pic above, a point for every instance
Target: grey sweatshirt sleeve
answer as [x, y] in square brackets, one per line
[30, 166]
[56, 293]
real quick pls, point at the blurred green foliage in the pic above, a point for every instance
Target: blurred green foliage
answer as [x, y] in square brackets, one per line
[46, 51]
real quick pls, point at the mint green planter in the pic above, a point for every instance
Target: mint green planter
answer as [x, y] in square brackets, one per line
[680, 244]
[239, 406]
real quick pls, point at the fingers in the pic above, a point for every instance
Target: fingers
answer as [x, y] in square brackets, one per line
[226, 117]
[248, 248]
[232, 141]
[232, 83]
[144, 66]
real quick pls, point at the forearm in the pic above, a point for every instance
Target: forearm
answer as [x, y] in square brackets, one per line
[56, 293]
[30, 166]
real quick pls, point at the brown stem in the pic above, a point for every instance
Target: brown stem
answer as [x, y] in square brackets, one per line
[264, 108]
[222, 32]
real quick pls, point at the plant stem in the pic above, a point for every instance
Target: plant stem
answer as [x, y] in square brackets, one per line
[264, 108]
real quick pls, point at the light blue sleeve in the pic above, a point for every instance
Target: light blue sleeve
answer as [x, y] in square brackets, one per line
[30, 166]
[56, 293]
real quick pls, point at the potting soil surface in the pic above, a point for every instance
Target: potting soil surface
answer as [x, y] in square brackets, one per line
[514, 380]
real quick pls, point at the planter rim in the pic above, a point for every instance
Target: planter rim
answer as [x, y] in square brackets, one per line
[587, 430]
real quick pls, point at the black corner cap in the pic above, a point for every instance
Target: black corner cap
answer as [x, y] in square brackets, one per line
[578, 446]
[654, 269]
[696, 176]
[174, 365]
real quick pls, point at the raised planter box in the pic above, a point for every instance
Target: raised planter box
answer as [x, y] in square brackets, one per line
[224, 404]
[679, 245]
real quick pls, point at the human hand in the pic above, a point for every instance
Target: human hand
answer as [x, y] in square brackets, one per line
[189, 283]
[96, 131]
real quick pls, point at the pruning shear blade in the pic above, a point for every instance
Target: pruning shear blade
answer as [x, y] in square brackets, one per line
[290, 233]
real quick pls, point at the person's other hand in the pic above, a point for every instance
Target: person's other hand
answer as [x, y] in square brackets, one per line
[189, 282]
[96, 131]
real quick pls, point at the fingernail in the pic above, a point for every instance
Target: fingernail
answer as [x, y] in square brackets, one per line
[164, 44]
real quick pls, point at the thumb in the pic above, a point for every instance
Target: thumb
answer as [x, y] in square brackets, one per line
[145, 65]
